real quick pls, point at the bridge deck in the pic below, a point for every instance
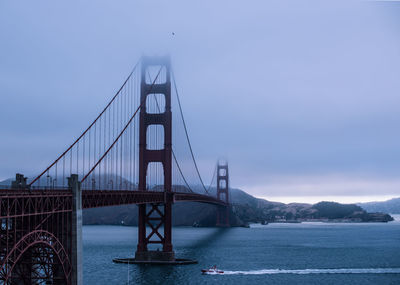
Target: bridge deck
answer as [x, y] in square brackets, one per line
[17, 203]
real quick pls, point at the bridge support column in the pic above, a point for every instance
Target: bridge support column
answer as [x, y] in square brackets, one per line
[76, 247]
[155, 216]
[223, 189]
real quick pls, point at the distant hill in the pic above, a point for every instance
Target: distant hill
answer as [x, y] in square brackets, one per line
[245, 209]
[6, 182]
[391, 206]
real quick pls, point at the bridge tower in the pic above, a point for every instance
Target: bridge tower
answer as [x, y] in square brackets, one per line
[223, 194]
[155, 216]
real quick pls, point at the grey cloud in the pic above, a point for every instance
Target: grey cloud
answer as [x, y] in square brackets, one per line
[279, 88]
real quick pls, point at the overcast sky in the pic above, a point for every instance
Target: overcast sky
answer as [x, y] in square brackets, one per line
[301, 97]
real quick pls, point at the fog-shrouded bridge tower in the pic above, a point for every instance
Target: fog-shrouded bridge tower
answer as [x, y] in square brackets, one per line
[156, 216]
[223, 194]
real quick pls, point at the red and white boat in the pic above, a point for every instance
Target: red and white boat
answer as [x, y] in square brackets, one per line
[212, 270]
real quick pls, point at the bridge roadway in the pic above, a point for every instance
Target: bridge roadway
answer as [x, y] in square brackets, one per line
[22, 203]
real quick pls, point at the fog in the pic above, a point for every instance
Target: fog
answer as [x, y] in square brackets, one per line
[301, 97]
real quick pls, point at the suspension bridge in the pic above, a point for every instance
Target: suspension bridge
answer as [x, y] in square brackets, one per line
[129, 154]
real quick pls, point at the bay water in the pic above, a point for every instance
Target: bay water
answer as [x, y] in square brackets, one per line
[306, 253]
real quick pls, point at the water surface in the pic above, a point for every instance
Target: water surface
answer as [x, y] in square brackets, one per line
[307, 253]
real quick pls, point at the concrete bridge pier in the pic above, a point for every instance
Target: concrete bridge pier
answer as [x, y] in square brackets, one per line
[76, 246]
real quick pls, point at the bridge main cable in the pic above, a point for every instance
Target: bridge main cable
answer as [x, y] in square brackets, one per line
[187, 135]
[123, 130]
[90, 126]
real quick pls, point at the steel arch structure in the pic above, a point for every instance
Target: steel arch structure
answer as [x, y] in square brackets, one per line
[46, 253]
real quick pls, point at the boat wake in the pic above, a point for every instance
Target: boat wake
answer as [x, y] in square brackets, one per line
[315, 271]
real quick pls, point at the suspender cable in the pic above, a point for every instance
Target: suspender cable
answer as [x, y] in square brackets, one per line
[120, 134]
[72, 145]
[212, 179]
[186, 132]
